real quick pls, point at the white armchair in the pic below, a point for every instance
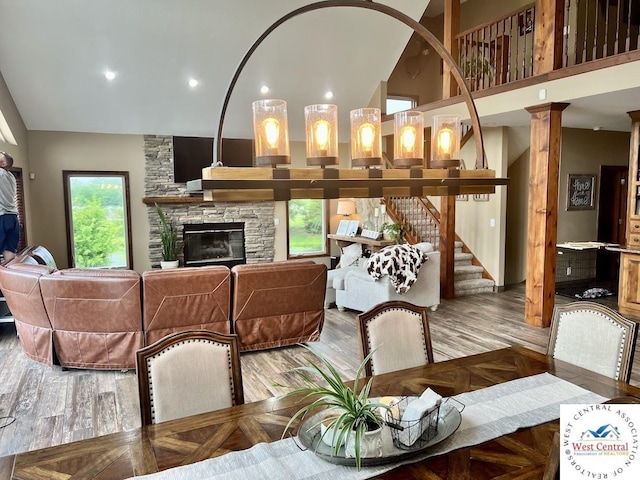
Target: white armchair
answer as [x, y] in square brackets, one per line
[357, 290]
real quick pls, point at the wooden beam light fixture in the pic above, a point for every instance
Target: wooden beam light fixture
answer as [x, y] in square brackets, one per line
[265, 182]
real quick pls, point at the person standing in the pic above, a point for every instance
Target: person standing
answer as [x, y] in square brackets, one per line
[9, 226]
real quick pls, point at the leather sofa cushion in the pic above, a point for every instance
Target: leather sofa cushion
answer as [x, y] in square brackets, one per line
[21, 289]
[96, 317]
[279, 303]
[192, 298]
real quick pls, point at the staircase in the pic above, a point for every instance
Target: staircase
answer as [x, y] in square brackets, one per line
[468, 277]
[421, 221]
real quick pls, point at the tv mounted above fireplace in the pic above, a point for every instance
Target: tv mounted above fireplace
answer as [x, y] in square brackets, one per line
[192, 154]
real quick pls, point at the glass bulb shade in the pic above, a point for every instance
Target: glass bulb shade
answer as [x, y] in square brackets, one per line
[271, 132]
[408, 136]
[445, 138]
[321, 125]
[366, 138]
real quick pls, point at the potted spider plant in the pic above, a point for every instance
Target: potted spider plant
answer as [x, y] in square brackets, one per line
[351, 417]
[393, 231]
[169, 239]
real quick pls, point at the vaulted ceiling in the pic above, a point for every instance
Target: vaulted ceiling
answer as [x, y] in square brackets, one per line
[54, 55]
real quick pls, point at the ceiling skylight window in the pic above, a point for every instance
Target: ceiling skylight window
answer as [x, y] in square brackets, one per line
[109, 75]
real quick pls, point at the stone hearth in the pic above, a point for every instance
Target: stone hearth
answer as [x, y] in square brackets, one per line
[257, 216]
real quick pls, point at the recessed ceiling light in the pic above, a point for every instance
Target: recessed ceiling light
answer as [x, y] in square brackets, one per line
[193, 82]
[109, 75]
[328, 95]
[264, 89]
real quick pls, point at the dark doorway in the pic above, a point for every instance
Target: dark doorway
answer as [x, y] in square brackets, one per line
[612, 214]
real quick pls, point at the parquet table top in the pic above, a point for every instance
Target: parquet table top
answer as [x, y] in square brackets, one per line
[158, 447]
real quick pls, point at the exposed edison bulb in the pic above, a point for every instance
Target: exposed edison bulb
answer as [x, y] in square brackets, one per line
[271, 128]
[367, 134]
[408, 139]
[322, 129]
[445, 141]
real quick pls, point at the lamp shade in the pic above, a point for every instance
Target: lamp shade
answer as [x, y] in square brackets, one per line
[346, 207]
[366, 138]
[408, 139]
[445, 141]
[271, 132]
[321, 125]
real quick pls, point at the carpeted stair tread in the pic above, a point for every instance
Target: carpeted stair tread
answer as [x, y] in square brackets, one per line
[470, 287]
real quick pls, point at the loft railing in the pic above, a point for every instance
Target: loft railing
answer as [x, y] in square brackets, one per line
[498, 52]
[501, 51]
[595, 29]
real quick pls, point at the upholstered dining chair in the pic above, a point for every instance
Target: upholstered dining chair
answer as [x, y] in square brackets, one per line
[187, 373]
[399, 333]
[594, 337]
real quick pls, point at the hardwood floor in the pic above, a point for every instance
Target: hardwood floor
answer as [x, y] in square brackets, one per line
[51, 406]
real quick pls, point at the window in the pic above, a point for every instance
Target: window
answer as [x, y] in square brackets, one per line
[398, 103]
[98, 221]
[307, 227]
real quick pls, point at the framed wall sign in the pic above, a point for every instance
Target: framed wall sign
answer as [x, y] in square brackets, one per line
[581, 192]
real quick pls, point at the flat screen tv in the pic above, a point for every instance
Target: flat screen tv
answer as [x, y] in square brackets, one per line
[192, 154]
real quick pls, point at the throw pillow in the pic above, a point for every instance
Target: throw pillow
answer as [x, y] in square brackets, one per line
[350, 255]
[425, 247]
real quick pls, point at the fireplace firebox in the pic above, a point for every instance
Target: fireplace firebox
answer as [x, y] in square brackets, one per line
[213, 244]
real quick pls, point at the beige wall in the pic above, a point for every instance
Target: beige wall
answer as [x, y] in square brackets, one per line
[52, 152]
[517, 217]
[474, 219]
[20, 151]
[582, 151]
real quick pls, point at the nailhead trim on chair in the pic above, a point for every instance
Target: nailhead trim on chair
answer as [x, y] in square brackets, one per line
[200, 340]
[615, 324]
[424, 345]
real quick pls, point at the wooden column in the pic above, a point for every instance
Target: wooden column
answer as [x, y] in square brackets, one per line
[547, 49]
[451, 29]
[546, 132]
[448, 204]
[447, 238]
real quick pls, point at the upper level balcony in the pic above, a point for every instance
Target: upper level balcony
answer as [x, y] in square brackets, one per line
[500, 49]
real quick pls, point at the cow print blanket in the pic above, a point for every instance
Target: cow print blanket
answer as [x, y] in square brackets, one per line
[400, 263]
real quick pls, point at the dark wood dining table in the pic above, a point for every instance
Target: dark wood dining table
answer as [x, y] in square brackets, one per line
[154, 448]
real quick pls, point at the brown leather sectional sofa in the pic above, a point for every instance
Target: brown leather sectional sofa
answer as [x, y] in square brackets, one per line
[97, 319]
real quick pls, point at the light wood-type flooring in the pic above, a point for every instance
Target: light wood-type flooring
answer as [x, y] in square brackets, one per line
[51, 406]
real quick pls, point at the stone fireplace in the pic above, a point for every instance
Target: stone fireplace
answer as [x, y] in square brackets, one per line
[213, 244]
[257, 217]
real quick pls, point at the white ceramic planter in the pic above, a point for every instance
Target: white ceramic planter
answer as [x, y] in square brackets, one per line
[172, 264]
[329, 434]
[370, 447]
